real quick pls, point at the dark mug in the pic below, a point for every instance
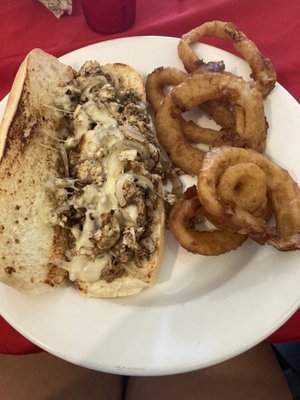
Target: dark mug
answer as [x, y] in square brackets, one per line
[109, 16]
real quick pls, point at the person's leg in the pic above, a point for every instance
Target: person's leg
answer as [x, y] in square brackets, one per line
[254, 375]
[43, 377]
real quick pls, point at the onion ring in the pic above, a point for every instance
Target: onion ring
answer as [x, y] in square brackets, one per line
[208, 243]
[263, 72]
[171, 138]
[250, 121]
[283, 191]
[155, 83]
[246, 101]
[245, 186]
[157, 80]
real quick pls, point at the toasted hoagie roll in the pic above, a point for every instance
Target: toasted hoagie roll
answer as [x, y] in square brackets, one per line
[80, 188]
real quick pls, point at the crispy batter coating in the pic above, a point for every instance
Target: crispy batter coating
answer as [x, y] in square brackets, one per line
[156, 83]
[250, 127]
[207, 243]
[262, 70]
[283, 191]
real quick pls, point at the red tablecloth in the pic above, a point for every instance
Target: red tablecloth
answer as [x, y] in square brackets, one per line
[274, 25]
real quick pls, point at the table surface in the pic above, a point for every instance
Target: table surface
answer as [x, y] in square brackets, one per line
[273, 25]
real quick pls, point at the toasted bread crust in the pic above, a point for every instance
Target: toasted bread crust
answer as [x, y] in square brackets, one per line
[27, 134]
[129, 78]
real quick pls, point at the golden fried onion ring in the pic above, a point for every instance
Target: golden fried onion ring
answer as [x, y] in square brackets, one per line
[172, 139]
[250, 128]
[157, 80]
[263, 72]
[247, 102]
[243, 185]
[283, 191]
[155, 84]
[208, 243]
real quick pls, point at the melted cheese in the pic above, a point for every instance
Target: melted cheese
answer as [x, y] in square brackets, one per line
[89, 113]
[130, 214]
[113, 168]
[83, 269]
[91, 144]
[106, 134]
[87, 231]
[89, 197]
[100, 116]
[98, 134]
[104, 203]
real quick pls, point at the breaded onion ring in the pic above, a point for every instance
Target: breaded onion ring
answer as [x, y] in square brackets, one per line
[172, 139]
[221, 112]
[247, 102]
[157, 80]
[208, 243]
[263, 72]
[250, 128]
[244, 186]
[283, 191]
[155, 84]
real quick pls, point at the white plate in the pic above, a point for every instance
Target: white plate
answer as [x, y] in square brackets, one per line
[202, 310]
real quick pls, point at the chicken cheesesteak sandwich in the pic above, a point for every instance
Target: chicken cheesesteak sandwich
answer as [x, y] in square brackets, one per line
[81, 180]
